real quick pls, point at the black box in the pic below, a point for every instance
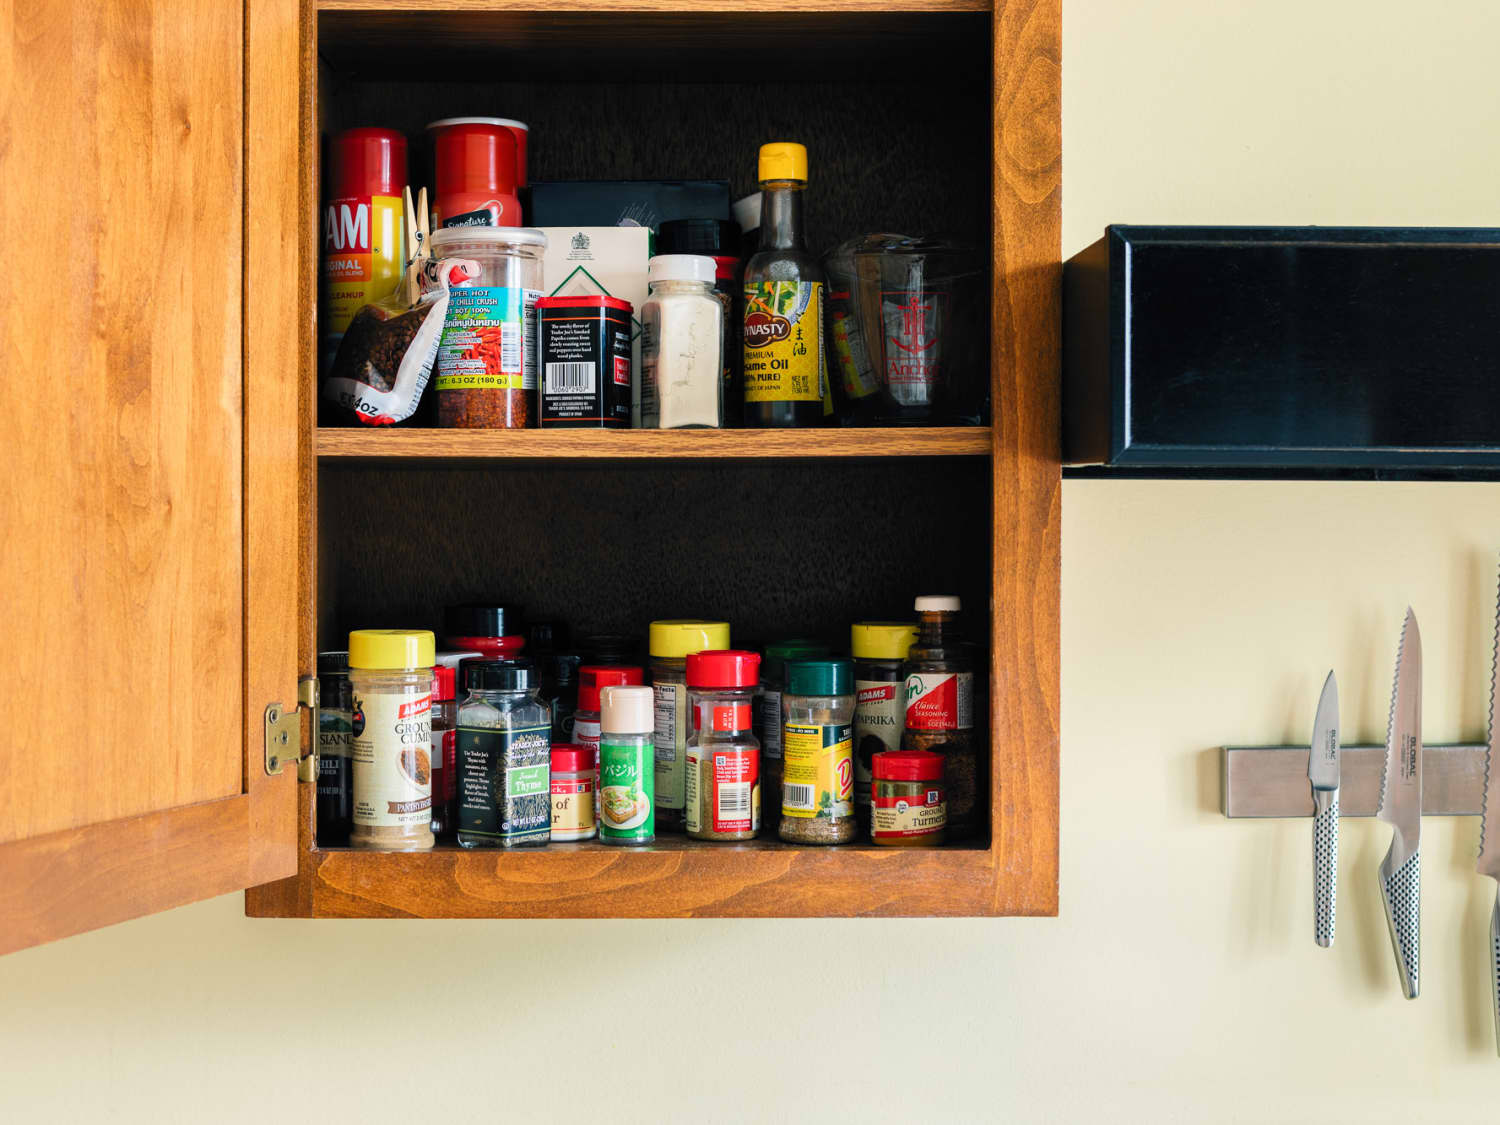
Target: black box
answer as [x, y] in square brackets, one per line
[615, 203]
[1283, 347]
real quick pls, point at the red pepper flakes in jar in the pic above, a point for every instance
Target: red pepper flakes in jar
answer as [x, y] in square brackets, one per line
[487, 354]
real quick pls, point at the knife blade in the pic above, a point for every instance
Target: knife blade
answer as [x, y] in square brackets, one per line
[1323, 776]
[1489, 837]
[1401, 808]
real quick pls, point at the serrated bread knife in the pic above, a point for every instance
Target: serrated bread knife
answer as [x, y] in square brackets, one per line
[1401, 808]
[1323, 775]
[1489, 838]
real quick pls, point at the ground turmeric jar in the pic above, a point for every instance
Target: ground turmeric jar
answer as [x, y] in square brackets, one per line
[910, 807]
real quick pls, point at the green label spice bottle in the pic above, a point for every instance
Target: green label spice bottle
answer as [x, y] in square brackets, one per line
[627, 776]
[504, 757]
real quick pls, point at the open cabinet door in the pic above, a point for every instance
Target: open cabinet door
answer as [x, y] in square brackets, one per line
[149, 428]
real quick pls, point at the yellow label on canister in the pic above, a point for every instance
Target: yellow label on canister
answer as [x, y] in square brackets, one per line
[363, 255]
[783, 331]
[817, 777]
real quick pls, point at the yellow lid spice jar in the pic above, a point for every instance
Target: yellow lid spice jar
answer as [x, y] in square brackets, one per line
[878, 648]
[671, 642]
[390, 678]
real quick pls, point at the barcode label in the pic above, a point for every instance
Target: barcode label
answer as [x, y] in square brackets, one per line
[797, 797]
[734, 800]
[570, 378]
[510, 347]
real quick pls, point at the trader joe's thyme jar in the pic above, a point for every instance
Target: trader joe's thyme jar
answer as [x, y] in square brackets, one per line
[390, 678]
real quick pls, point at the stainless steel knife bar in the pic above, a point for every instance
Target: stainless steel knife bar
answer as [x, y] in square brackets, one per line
[1271, 781]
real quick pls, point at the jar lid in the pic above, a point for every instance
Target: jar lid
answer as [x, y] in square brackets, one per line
[881, 640]
[698, 236]
[586, 301]
[367, 161]
[937, 603]
[628, 709]
[445, 237]
[907, 765]
[333, 663]
[681, 267]
[392, 650]
[723, 668]
[673, 640]
[779, 652]
[500, 675]
[819, 677]
[452, 658]
[444, 676]
[481, 619]
[610, 648]
[509, 123]
[572, 757]
[592, 677]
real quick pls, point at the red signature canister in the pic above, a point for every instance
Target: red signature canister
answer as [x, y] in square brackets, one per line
[476, 163]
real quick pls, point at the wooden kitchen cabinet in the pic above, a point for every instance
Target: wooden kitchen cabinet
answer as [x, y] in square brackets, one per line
[212, 537]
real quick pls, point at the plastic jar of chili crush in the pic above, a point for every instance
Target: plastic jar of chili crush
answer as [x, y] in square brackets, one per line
[910, 800]
[723, 754]
[488, 628]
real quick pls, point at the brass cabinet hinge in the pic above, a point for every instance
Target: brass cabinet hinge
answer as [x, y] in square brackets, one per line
[284, 733]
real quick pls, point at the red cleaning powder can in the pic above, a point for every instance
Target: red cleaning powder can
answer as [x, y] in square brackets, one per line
[475, 173]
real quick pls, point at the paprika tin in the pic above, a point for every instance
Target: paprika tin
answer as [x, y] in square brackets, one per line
[585, 361]
[910, 800]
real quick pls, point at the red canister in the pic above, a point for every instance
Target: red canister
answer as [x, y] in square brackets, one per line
[476, 162]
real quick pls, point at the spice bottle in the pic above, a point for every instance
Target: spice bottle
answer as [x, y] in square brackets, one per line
[878, 647]
[766, 711]
[940, 707]
[504, 758]
[670, 643]
[335, 784]
[786, 380]
[817, 739]
[444, 750]
[591, 678]
[488, 628]
[718, 239]
[626, 778]
[682, 345]
[723, 755]
[910, 808]
[390, 676]
[575, 777]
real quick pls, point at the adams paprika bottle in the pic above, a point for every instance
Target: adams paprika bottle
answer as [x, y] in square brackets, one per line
[940, 707]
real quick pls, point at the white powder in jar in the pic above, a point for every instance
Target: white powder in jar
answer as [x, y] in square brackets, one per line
[682, 345]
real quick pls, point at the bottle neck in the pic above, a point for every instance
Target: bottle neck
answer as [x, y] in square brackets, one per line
[781, 215]
[934, 627]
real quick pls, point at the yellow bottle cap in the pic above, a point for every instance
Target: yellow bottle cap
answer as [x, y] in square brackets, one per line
[392, 650]
[783, 160]
[676, 639]
[881, 640]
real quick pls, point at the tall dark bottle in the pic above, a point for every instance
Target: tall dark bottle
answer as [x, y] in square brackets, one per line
[785, 373]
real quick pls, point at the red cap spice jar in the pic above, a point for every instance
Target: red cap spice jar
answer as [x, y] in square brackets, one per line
[723, 754]
[444, 749]
[488, 628]
[575, 783]
[585, 361]
[910, 801]
[475, 172]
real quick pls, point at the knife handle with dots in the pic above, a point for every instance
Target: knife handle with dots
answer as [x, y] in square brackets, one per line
[1495, 963]
[1325, 864]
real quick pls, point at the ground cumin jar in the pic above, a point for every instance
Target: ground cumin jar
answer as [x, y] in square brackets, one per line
[487, 354]
[390, 679]
[910, 802]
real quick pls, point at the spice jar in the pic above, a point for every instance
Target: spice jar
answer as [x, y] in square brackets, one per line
[817, 741]
[682, 345]
[335, 784]
[488, 628]
[591, 678]
[444, 749]
[670, 643]
[626, 778]
[390, 676]
[766, 711]
[878, 648]
[575, 774]
[723, 755]
[487, 354]
[504, 757]
[940, 707]
[910, 808]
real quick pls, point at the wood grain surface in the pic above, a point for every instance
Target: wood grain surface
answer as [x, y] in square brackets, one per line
[336, 444]
[460, 8]
[120, 152]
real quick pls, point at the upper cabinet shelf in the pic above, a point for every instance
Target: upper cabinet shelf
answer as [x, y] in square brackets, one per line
[526, 445]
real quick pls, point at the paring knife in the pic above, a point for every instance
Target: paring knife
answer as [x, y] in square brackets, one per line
[1401, 807]
[1323, 775]
[1489, 839]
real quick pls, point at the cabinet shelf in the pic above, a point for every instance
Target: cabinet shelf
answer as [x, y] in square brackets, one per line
[336, 444]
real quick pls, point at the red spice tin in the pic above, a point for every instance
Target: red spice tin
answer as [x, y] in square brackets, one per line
[584, 369]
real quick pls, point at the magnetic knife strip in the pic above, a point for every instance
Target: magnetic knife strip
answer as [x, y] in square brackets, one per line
[1271, 781]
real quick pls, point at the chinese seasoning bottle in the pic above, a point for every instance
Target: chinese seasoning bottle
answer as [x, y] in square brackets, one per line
[335, 785]
[723, 755]
[817, 745]
[390, 675]
[879, 648]
[504, 757]
[940, 707]
[670, 642]
[626, 778]
[786, 379]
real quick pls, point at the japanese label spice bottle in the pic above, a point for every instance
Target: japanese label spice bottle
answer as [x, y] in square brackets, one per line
[817, 746]
[670, 643]
[723, 755]
[940, 707]
[626, 777]
[879, 649]
[390, 677]
[504, 757]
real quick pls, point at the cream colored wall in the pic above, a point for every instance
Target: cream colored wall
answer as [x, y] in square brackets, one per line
[1180, 982]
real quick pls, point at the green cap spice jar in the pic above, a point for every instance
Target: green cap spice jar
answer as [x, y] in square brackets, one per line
[817, 745]
[911, 805]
